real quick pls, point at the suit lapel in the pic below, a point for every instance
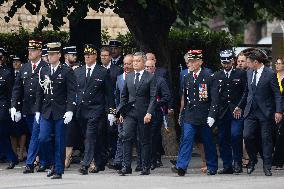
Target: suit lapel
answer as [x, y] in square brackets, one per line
[200, 76]
[261, 77]
[57, 72]
[131, 82]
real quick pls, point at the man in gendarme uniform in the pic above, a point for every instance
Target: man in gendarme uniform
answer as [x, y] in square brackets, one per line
[200, 111]
[55, 104]
[23, 101]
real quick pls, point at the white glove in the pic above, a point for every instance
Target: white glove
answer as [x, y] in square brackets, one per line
[13, 113]
[18, 116]
[68, 117]
[37, 115]
[210, 121]
[111, 119]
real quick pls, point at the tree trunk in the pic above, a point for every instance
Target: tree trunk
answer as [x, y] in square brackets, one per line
[253, 32]
[152, 37]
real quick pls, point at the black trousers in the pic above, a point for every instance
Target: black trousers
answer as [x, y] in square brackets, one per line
[253, 123]
[134, 126]
[92, 131]
[278, 157]
[156, 139]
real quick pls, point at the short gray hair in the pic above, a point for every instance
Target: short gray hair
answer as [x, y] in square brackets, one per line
[185, 57]
[142, 54]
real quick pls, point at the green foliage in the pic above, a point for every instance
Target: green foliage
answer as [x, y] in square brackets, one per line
[180, 40]
[16, 42]
[197, 38]
[105, 36]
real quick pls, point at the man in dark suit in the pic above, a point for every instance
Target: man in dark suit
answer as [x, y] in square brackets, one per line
[70, 56]
[116, 54]
[110, 132]
[163, 98]
[262, 106]
[127, 67]
[95, 95]
[55, 104]
[231, 84]
[200, 111]
[5, 97]
[137, 105]
[24, 99]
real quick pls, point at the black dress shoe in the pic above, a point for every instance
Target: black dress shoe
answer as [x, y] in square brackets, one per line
[138, 169]
[12, 165]
[83, 170]
[57, 176]
[153, 166]
[50, 172]
[159, 163]
[250, 168]
[226, 171]
[114, 166]
[145, 172]
[179, 171]
[28, 170]
[210, 172]
[174, 162]
[41, 168]
[124, 171]
[96, 169]
[267, 172]
[238, 168]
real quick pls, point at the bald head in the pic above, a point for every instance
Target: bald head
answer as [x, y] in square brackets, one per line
[151, 56]
[150, 66]
[128, 63]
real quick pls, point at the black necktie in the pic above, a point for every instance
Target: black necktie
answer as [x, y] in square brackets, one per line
[52, 71]
[16, 74]
[227, 75]
[136, 80]
[254, 81]
[88, 75]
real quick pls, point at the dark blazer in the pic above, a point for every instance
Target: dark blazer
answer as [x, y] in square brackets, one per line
[96, 95]
[143, 98]
[63, 97]
[118, 89]
[182, 74]
[25, 87]
[230, 90]
[267, 94]
[114, 72]
[5, 92]
[162, 72]
[163, 97]
[198, 106]
[119, 62]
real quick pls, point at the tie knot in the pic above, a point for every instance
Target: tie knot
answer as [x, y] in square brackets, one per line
[137, 74]
[194, 75]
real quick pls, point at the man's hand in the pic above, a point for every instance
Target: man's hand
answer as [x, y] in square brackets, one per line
[210, 121]
[37, 115]
[237, 113]
[171, 112]
[120, 119]
[18, 116]
[278, 117]
[147, 118]
[111, 119]
[13, 113]
[68, 117]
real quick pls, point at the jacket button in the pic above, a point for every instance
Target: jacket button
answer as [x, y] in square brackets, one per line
[51, 99]
[82, 100]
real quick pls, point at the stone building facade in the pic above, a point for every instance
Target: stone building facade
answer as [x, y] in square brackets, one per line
[109, 20]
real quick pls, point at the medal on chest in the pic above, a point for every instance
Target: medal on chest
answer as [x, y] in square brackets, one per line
[203, 91]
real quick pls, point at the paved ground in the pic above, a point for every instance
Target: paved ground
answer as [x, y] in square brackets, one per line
[161, 178]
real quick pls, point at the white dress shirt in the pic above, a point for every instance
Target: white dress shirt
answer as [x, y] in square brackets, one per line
[228, 72]
[54, 68]
[92, 68]
[258, 75]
